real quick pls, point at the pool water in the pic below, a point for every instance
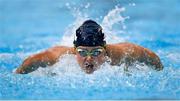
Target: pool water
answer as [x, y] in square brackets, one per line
[28, 27]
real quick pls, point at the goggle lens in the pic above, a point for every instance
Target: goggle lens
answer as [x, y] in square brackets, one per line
[95, 52]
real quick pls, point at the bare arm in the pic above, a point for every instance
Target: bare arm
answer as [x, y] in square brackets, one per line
[43, 59]
[129, 53]
[152, 59]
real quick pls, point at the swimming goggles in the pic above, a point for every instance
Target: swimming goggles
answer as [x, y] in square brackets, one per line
[85, 52]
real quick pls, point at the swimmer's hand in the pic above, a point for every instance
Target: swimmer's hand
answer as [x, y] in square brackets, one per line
[43, 59]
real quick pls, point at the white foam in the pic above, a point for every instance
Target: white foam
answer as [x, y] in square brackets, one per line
[68, 67]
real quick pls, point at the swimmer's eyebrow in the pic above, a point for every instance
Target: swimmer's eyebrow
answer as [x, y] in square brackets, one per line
[83, 48]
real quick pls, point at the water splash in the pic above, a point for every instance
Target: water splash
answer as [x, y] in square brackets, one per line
[69, 76]
[113, 18]
[68, 70]
[106, 83]
[69, 35]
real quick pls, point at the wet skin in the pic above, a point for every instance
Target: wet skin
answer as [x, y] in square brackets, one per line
[127, 53]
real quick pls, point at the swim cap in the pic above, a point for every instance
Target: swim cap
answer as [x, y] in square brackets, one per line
[89, 34]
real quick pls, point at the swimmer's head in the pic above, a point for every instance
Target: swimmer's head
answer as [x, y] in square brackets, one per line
[89, 34]
[90, 46]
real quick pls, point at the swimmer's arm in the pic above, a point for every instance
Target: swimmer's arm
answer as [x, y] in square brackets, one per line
[43, 59]
[117, 52]
[153, 60]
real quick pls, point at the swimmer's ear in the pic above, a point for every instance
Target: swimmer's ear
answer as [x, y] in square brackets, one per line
[104, 44]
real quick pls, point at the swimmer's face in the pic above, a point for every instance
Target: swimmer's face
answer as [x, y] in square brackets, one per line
[90, 58]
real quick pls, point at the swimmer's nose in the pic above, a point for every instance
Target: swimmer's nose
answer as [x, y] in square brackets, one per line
[89, 58]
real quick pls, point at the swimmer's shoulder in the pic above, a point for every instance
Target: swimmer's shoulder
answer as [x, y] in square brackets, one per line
[118, 50]
[119, 45]
[62, 49]
[114, 52]
[124, 46]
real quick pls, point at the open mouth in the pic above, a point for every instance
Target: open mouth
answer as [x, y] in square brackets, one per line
[89, 68]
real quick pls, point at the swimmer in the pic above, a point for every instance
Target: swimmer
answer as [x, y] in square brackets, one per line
[91, 51]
